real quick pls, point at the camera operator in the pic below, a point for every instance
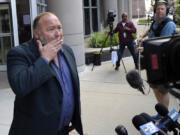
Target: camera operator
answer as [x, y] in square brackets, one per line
[161, 26]
[125, 30]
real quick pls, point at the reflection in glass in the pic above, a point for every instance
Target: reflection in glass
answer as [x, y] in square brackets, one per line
[24, 20]
[86, 3]
[5, 45]
[94, 20]
[4, 21]
[94, 3]
[87, 22]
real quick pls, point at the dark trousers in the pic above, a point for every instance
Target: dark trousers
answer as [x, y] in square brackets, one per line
[132, 50]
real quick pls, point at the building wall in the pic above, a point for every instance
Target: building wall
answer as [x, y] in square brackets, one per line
[138, 4]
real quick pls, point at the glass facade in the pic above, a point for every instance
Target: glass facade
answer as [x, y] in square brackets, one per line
[24, 20]
[41, 6]
[5, 32]
[90, 16]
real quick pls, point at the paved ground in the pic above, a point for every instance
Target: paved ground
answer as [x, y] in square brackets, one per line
[107, 101]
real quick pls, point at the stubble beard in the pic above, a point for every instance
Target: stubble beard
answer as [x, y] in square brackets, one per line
[42, 39]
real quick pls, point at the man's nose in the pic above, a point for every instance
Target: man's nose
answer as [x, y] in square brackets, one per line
[57, 32]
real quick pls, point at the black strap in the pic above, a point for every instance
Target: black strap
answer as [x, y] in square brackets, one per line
[157, 32]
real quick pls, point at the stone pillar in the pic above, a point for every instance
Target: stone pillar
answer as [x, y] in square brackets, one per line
[70, 14]
[111, 5]
[120, 9]
[125, 6]
[130, 10]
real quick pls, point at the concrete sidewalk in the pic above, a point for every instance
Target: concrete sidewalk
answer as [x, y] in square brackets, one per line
[107, 101]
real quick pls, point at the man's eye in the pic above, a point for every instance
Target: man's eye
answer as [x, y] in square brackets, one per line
[51, 29]
[59, 28]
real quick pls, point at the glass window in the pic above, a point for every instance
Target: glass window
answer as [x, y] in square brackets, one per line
[86, 3]
[5, 46]
[5, 32]
[24, 20]
[4, 21]
[87, 22]
[94, 20]
[41, 6]
[90, 16]
[94, 2]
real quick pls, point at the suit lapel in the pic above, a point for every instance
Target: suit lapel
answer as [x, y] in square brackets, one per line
[71, 64]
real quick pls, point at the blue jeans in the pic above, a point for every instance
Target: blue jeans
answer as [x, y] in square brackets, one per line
[132, 50]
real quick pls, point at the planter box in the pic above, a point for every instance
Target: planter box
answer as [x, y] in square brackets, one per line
[93, 55]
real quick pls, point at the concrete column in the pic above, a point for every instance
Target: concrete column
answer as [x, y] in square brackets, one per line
[70, 14]
[120, 8]
[130, 10]
[125, 6]
[111, 5]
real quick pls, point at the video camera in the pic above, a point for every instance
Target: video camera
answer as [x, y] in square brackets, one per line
[161, 59]
[110, 16]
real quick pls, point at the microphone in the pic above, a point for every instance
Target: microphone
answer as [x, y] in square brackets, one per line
[161, 109]
[121, 130]
[135, 81]
[147, 117]
[145, 127]
[138, 120]
[170, 119]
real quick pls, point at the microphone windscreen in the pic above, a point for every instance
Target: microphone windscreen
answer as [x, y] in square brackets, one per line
[161, 109]
[147, 117]
[134, 79]
[138, 120]
[121, 130]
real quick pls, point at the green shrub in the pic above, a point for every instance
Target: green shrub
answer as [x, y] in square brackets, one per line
[97, 39]
[134, 35]
[144, 21]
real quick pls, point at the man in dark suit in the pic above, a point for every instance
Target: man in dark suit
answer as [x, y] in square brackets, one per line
[43, 75]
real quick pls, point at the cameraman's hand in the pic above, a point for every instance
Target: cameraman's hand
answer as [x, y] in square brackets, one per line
[140, 49]
[139, 40]
[49, 51]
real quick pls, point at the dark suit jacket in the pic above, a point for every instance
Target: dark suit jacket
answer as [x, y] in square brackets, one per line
[37, 105]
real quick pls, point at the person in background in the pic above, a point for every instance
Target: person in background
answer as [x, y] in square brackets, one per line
[162, 26]
[43, 75]
[125, 30]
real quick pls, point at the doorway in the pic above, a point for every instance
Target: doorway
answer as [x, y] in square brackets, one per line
[5, 32]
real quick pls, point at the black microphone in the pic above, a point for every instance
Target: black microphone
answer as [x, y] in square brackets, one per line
[147, 117]
[138, 120]
[161, 109]
[135, 81]
[169, 120]
[121, 130]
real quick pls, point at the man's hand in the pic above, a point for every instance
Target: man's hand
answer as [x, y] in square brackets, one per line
[140, 49]
[139, 39]
[49, 51]
[127, 28]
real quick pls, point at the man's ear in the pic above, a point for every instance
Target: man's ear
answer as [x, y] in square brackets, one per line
[36, 35]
